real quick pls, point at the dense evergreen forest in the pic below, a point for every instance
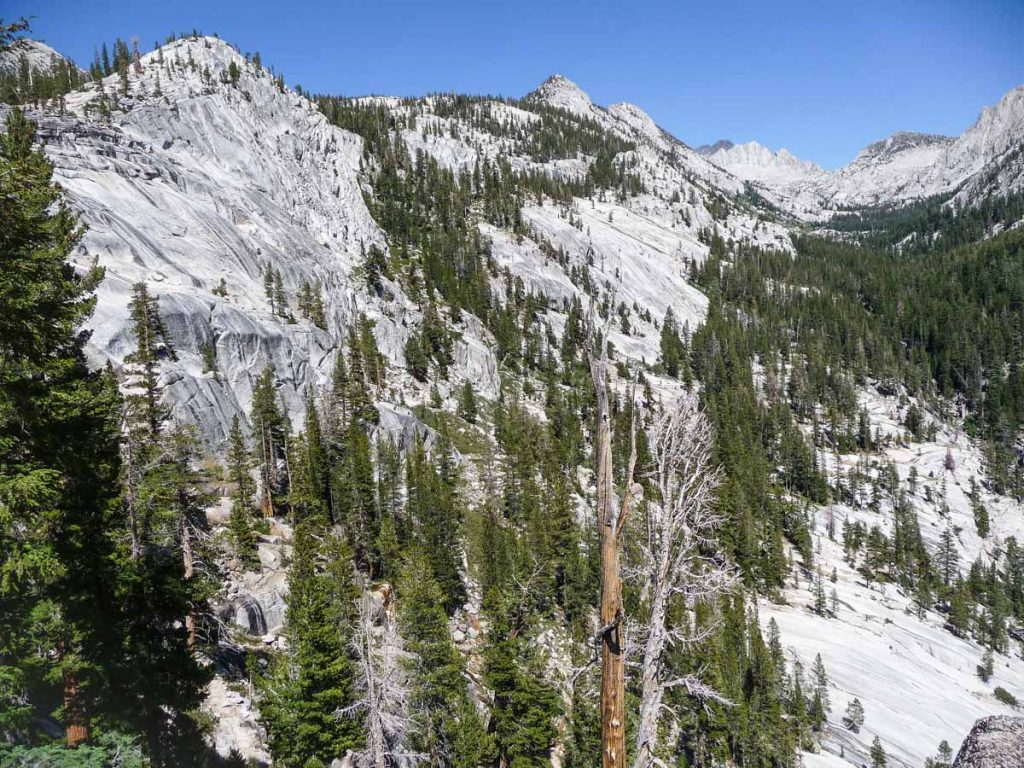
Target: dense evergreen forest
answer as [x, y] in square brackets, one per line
[109, 567]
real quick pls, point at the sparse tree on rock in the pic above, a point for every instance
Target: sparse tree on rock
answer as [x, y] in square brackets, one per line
[878, 757]
[854, 717]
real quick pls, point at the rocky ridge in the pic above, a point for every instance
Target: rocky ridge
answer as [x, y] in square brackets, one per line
[985, 159]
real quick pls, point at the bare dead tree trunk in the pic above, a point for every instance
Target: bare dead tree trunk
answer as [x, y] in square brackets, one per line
[610, 523]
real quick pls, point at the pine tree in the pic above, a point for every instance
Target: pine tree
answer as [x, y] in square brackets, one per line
[376, 268]
[878, 757]
[268, 288]
[58, 460]
[817, 713]
[305, 299]
[269, 432]
[960, 614]
[363, 410]
[820, 604]
[672, 351]
[947, 556]
[241, 521]
[374, 363]
[317, 315]
[417, 360]
[986, 667]
[467, 403]
[583, 743]
[152, 346]
[524, 706]
[434, 506]
[339, 406]
[311, 682]
[854, 717]
[355, 497]
[280, 299]
[452, 733]
[167, 582]
[797, 706]
[309, 492]
[821, 682]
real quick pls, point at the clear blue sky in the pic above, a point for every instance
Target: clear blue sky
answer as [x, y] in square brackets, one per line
[821, 78]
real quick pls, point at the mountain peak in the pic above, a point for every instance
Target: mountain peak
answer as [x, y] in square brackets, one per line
[755, 162]
[559, 91]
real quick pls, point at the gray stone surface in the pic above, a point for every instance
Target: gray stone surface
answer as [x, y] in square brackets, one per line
[994, 742]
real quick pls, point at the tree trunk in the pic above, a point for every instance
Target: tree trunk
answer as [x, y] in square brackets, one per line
[652, 690]
[76, 727]
[613, 660]
[188, 559]
[130, 502]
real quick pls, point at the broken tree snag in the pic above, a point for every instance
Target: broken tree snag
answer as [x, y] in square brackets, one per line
[609, 523]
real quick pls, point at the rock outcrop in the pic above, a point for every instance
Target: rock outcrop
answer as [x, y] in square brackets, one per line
[994, 742]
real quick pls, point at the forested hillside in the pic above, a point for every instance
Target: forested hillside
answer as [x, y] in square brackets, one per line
[375, 431]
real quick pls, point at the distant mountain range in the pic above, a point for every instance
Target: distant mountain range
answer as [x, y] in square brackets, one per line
[988, 158]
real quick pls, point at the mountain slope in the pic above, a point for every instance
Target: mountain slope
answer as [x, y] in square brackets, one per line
[195, 179]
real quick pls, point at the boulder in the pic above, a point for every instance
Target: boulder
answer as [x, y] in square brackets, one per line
[994, 742]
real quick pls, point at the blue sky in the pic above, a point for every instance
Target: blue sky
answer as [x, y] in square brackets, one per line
[821, 78]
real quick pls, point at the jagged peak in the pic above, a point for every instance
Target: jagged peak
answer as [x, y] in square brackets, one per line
[632, 110]
[752, 161]
[182, 69]
[1012, 100]
[755, 152]
[202, 49]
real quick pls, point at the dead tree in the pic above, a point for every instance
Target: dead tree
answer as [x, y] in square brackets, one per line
[677, 564]
[383, 686]
[610, 521]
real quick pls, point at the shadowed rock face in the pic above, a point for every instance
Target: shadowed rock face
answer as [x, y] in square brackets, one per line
[994, 742]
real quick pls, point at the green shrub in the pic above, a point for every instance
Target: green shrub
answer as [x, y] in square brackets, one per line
[1005, 696]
